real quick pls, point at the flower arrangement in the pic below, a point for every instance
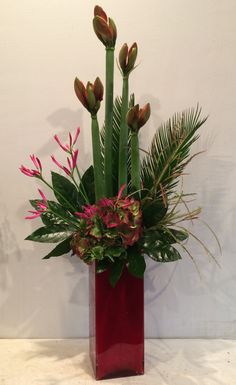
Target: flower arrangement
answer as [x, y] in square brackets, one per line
[124, 207]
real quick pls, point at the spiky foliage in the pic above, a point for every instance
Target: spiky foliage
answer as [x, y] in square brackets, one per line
[115, 142]
[169, 153]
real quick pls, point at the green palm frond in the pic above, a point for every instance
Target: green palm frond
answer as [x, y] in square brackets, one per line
[115, 143]
[169, 153]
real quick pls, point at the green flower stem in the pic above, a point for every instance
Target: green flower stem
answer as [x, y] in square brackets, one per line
[123, 145]
[47, 184]
[135, 162]
[109, 121]
[97, 159]
[81, 187]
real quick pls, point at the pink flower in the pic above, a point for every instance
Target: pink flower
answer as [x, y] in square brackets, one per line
[65, 169]
[30, 172]
[68, 147]
[41, 207]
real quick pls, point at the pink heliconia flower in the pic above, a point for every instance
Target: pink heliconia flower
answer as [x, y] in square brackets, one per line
[74, 158]
[28, 172]
[41, 207]
[76, 136]
[36, 162]
[68, 147]
[31, 172]
[65, 169]
[121, 191]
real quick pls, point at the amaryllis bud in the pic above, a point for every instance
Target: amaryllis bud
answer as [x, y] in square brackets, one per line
[104, 27]
[80, 92]
[123, 56]
[127, 58]
[98, 11]
[144, 115]
[137, 117]
[98, 89]
[90, 96]
[132, 56]
[132, 117]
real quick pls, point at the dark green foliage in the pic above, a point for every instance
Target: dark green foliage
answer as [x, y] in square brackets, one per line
[66, 192]
[61, 249]
[50, 234]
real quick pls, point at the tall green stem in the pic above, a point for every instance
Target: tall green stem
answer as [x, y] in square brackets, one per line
[135, 162]
[123, 145]
[109, 121]
[97, 159]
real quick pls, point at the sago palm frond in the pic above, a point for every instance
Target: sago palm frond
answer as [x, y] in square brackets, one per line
[169, 152]
[115, 143]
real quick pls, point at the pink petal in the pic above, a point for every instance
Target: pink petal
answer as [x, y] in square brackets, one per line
[42, 195]
[121, 191]
[60, 144]
[74, 158]
[56, 162]
[76, 136]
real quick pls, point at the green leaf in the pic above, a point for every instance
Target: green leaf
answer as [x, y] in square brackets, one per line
[153, 212]
[87, 181]
[136, 264]
[163, 253]
[180, 235]
[66, 192]
[63, 214]
[61, 249]
[103, 265]
[116, 271]
[169, 152]
[52, 234]
[115, 251]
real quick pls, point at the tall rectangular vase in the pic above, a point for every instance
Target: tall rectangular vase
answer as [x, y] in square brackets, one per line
[116, 325]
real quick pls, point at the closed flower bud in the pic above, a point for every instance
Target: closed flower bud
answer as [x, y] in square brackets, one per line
[98, 89]
[144, 115]
[127, 58]
[98, 11]
[123, 57]
[90, 96]
[104, 28]
[132, 117]
[80, 92]
[137, 117]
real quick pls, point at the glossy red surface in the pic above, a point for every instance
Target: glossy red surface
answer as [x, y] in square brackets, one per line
[116, 325]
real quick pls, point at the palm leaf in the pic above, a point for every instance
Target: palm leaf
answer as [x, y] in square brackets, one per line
[169, 153]
[115, 143]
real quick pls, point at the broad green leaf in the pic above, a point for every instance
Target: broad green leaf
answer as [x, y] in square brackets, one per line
[153, 213]
[66, 192]
[115, 251]
[116, 271]
[50, 234]
[136, 264]
[63, 214]
[164, 253]
[87, 181]
[103, 265]
[179, 235]
[61, 249]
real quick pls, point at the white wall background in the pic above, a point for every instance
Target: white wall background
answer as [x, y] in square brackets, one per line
[187, 52]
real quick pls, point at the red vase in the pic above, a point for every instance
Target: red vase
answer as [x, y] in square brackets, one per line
[116, 325]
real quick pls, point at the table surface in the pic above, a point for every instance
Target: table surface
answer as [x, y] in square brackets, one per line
[167, 362]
